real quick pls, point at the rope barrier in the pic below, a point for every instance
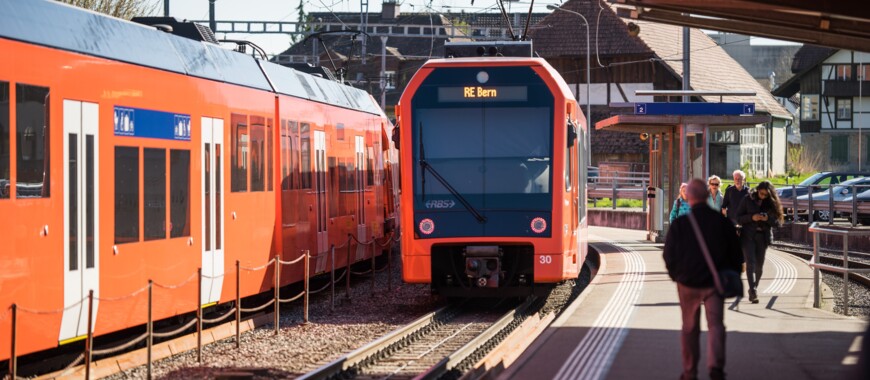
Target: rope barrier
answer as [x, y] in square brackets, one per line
[337, 280]
[366, 273]
[264, 266]
[189, 279]
[76, 362]
[55, 311]
[221, 318]
[121, 298]
[292, 299]
[258, 308]
[214, 277]
[176, 331]
[321, 289]
[294, 261]
[121, 347]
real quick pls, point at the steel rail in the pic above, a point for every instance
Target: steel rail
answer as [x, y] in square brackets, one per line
[348, 362]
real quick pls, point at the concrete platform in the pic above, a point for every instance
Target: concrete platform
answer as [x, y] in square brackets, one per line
[627, 324]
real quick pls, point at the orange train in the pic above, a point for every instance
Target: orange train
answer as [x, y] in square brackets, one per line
[494, 201]
[129, 154]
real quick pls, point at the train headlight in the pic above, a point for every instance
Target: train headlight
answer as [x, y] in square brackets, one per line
[539, 225]
[427, 226]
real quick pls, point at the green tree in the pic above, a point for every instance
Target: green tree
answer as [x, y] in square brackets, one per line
[124, 9]
[304, 20]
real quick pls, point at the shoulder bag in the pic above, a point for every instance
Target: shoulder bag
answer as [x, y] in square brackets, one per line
[727, 281]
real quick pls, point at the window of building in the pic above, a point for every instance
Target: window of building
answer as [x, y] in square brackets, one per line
[809, 107]
[126, 194]
[32, 132]
[863, 72]
[389, 80]
[257, 153]
[840, 148]
[179, 192]
[844, 109]
[239, 152]
[4, 141]
[844, 72]
[154, 182]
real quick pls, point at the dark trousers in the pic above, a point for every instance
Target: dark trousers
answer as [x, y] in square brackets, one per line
[754, 248]
[714, 307]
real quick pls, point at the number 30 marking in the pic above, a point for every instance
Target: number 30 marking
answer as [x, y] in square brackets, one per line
[546, 259]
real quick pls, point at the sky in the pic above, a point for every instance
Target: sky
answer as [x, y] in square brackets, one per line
[285, 10]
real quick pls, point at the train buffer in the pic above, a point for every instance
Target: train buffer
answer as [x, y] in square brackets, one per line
[627, 325]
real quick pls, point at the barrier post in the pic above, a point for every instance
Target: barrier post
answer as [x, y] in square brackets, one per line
[830, 205]
[90, 340]
[613, 198]
[854, 206]
[13, 360]
[150, 327]
[390, 264]
[347, 282]
[199, 317]
[816, 296]
[794, 214]
[332, 284]
[307, 287]
[810, 206]
[277, 293]
[238, 304]
[846, 274]
[374, 267]
[642, 195]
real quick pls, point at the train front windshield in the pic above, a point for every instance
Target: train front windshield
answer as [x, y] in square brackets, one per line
[482, 151]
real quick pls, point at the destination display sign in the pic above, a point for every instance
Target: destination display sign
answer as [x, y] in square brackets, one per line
[483, 93]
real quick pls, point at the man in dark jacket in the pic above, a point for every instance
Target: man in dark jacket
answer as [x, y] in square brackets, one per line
[734, 194]
[687, 266]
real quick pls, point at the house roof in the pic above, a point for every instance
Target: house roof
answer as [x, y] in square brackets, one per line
[564, 34]
[805, 59]
[712, 69]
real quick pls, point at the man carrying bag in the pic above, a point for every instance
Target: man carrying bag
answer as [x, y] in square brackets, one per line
[695, 243]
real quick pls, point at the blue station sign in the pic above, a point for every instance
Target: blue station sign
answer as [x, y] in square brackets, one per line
[683, 109]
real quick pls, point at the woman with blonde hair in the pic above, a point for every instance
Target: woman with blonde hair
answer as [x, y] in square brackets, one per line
[758, 213]
[715, 198]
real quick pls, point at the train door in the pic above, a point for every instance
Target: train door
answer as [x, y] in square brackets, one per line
[360, 166]
[81, 215]
[212, 206]
[320, 193]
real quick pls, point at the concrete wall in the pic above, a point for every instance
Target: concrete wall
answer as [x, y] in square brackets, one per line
[820, 144]
[619, 218]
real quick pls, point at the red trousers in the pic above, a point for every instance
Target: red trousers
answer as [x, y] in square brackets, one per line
[691, 300]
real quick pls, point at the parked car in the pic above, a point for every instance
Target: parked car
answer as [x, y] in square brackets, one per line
[821, 178]
[840, 193]
[862, 196]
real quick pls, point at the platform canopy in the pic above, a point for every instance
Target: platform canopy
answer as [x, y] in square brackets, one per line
[665, 123]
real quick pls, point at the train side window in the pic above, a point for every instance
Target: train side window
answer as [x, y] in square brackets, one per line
[306, 156]
[4, 140]
[179, 192]
[32, 129]
[257, 151]
[269, 156]
[126, 194]
[333, 187]
[239, 152]
[339, 131]
[154, 181]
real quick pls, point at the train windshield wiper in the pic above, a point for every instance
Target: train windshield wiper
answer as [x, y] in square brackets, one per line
[424, 166]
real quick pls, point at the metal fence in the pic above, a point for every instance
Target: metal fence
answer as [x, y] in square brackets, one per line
[845, 270]
[621, 185]
[854, 207]
[276, 263]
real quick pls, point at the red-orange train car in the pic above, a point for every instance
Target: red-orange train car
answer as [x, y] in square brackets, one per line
[129, 154]
[494, 198]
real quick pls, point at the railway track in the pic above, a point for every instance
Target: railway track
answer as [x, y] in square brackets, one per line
[455, 341]
[832, 257]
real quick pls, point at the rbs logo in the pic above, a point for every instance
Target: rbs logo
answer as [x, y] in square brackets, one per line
[440, 203]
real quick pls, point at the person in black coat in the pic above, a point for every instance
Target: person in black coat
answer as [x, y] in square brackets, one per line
[734, 194]
[688, 267]
[757, 214]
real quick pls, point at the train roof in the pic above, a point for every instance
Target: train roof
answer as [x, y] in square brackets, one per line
[56, 25]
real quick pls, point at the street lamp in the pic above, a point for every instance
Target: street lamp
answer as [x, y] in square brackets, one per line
[588, 85]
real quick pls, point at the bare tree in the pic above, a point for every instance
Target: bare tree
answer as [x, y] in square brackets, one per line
[125, 9]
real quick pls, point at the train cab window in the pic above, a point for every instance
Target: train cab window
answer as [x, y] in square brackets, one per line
[257, 153]
[305, 149]
[154, 180]
[32, 132]
[126, 194]
[179, 192]
[239, 152]
[4, 140]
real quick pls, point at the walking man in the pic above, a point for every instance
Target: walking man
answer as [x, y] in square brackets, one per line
[734, 194]
[687, 266]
